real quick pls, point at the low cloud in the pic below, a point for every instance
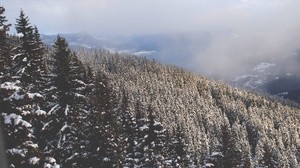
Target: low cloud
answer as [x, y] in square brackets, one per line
[241, 32]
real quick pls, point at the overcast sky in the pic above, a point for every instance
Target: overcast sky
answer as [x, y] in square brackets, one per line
[255, 28]
[153, 16]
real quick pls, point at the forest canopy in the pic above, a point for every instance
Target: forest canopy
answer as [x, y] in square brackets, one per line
[91, 108]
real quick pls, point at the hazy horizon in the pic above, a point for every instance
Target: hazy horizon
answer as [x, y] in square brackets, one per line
[242, 32]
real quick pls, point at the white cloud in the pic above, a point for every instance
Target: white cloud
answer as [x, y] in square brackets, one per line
[134, 16]
[242, 30]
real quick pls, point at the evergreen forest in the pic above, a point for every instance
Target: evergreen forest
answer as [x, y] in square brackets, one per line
[63, 107]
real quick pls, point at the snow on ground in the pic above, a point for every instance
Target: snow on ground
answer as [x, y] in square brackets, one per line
[242, 77]
[263, 66]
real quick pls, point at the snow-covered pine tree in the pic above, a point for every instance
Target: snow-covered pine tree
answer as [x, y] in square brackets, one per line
[5, 61]
[152, 142]
[22, 149]
[29, 64]
[20, 109]
[37, 65]
[30, 53]
[229, 155]
[142, 127]
[270, 156]
[178, 154]
[156, 140]
[24, 50]
[65, 126]
[90, 79]
[5, 55]
[128, 131]
[104, 133]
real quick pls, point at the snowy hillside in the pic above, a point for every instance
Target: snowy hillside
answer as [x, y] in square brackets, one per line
[279, 78]
[94, 108]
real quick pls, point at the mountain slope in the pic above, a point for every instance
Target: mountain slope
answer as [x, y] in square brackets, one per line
[101, 109]
[223, 125]
[279, 78]
[145, 114]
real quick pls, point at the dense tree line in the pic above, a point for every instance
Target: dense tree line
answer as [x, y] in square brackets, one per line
[221, 125]
[58, 112]
[85, 108]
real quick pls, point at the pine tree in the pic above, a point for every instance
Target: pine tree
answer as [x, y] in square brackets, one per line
[128, 132]
[177, 150]
[66, 124]
[142, 127]
[21, 111]
[22, 52]
[90, 79]
[5, 60]
[28, 60]
[232, 156]
[151, 142]
[37, 68]
[105, 133]
[270, 155]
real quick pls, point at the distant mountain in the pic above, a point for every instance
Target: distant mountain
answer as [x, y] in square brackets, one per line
[280, 78]
[78, 40]
[167, 48]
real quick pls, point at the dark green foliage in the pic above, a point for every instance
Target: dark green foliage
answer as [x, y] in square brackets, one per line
[128, 132]
[232, 155]
[68, 109]
[20, 103]
[5, 60]
[62, 58]
[104, 137]
[178, 154]
[28, 61]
